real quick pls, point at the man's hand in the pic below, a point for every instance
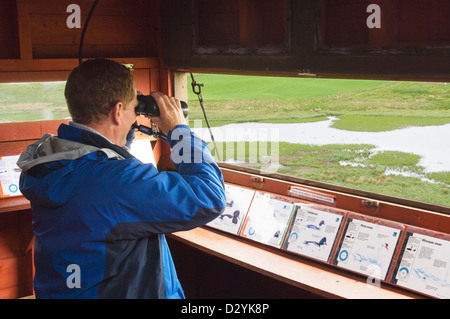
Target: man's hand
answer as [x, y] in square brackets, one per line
[170, 111]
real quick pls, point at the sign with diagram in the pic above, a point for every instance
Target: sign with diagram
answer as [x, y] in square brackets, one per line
[237, 205]
[313, 231]
[424, 264]
[367, 246]
[267, 219]
[9, 176]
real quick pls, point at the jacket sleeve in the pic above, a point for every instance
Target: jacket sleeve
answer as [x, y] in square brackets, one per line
[165, 202]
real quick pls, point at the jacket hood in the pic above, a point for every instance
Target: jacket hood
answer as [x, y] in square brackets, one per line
[51, 148]
[48, 168]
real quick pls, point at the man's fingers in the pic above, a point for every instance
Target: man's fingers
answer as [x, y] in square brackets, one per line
[166, 102]
[170, 111]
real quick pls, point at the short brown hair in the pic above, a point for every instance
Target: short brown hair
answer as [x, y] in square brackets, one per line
[95, 86]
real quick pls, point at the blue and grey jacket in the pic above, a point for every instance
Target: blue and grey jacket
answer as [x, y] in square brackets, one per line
[100, 215]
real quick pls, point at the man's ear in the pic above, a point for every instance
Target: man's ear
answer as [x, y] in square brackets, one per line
[116, 113]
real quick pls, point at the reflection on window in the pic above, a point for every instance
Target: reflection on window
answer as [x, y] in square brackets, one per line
[21, 102]
[379, 136]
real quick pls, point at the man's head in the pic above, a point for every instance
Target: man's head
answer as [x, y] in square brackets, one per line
[101, 94]
[95, 87]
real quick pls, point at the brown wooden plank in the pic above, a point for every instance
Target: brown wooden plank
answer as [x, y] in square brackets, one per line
[6, 77]
[59, 69]
[17, 131]
[218, 22]
[19, 291]
[103, 30]
[8, 30]
[24, 23]
[14, 148]
[142, 80]
[15, 234]
[345, 22]
[16, 277]
[387, 35]
[110, 7]
[423, 22]
[36, 65]
[154, 80]
[24, 131]
[13, 204]
[135, 35]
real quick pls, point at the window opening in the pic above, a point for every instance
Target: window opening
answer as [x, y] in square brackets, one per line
[372, 135]
[32, 101]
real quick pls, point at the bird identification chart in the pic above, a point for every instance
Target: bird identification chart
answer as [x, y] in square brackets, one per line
[313, 232]
[267, 219]
[9, 176]
[367, 247]
[424, 265]
[238, 201]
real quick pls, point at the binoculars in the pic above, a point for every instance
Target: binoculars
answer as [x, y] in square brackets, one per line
[147, 106]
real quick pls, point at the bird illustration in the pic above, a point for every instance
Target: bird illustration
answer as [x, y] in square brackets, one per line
[234, 218]
[323, 241]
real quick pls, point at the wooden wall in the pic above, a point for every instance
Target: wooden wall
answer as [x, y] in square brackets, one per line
[38, 29]
[16, 262]
[38, 44]
[232, 24]
[403, 23]
[327, 38]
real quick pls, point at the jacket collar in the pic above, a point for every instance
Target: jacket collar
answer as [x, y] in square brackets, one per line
[85, 135]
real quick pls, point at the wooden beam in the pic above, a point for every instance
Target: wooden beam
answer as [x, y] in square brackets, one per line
[30, 70]
[35, 65]
[24, 27]
[244, 36]
[180, 86]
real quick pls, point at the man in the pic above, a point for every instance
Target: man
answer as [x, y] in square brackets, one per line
[99, 214]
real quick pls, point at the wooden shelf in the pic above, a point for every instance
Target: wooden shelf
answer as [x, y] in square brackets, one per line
[12, 204]
[313, 277]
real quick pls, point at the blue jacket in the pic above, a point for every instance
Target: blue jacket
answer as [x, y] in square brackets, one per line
[100, 215]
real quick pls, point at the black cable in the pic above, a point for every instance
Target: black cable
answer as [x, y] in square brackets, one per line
[80, 50]
[197, 88]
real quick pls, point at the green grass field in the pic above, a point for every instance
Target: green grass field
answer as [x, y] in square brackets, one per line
[20, 102]
[360, 105]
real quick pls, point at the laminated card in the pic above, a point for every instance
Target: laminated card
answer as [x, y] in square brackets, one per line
[367, 246]
[238, 203]
[9, 176]
[424, 263]
[313, 231]
[267, 219]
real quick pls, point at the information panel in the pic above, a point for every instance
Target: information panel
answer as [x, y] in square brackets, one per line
[313, 231]
[9, 176]
[367, 246]
[424, 264]
[238, 203]
[267, 219]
